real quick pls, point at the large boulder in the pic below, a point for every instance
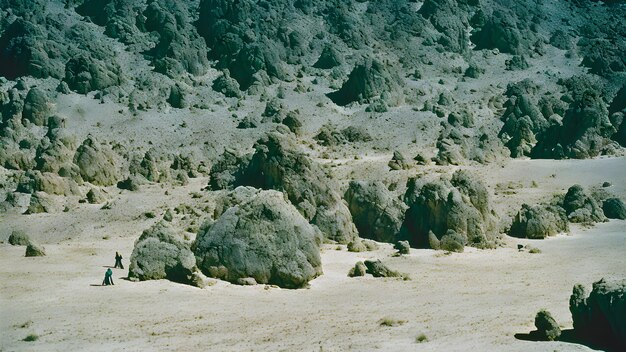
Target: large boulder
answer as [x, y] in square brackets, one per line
[278, 163]
[581, 207]
[35, 181]
[377, 214]
[614, 208]
[599, 317]
[458, 210]
[41, 202]
[265, 238]
[160, 253]
[539, 222]
[96, 163]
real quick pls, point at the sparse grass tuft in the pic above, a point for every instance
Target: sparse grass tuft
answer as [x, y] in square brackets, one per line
[391, 322]
[31, 337]
[421, 338]
[534, 250]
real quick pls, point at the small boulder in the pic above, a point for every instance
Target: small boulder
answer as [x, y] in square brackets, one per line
[19, 238]
[359, 269]
[547, 328]
[580, 207]
[35, 250]
[378, 269]
[402, 247]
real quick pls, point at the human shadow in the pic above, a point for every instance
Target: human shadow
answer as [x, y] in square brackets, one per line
[570, 336]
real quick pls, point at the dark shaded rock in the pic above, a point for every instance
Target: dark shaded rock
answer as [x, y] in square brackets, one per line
[517, 63]
[131, 183]
[329, 58]
[84, 74]
[227, 85]
[293, 122]
[402, 247]
[539, 222]
[581, 207]
[35, 250]
[19, 238]
[377, 214]
[547, 328]
[160, 253]
[599, 318]
[503, 31]
[378, 269]
[265, 238]
[95, 196]
[366, 81]
[461, 206]
[614, 208]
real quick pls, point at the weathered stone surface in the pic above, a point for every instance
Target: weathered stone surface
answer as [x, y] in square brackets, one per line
[461, 206]
[547, 327]
[539, 222]
[278, 163]
[96, 163]
[377, 214]
[359, 269]
[265, 238]
[378, 269]
[599, 317]
[160, 253]
[581, 207]
[19, 238]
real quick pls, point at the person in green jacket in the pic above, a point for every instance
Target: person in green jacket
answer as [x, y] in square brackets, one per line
[108, 278]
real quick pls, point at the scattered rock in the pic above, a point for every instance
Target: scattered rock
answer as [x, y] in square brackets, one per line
[19, 238]
[378, 269]
[359, 269]
[367, 80]
[547, 328]
[96, 163]
[95, 196]
[35, 250]
[402, 247]
[398, 162]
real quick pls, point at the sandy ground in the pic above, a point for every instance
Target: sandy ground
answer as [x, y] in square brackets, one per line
[477, 300]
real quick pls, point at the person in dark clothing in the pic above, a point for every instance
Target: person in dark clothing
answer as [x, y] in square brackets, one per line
[108, 278]
[118, 261]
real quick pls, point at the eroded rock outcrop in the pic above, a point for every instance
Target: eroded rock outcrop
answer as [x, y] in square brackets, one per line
[458, 210]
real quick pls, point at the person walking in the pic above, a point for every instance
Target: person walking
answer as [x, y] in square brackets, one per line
[118, 261]
[108, 278]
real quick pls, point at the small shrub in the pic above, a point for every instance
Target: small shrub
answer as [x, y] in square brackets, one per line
[421, 338]
[534, 250]
[31, 337]
[391, 322]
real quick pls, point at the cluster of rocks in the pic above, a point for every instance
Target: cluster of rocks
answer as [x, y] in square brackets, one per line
[20, 238]
[330, 135]
[576, 206]
[576, 125]
[279, 163]
[260, 238]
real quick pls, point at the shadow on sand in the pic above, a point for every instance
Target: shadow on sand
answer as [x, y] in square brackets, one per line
[570, 336]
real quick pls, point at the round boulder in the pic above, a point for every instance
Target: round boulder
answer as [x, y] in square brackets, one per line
[264, 237]
[160, 253]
